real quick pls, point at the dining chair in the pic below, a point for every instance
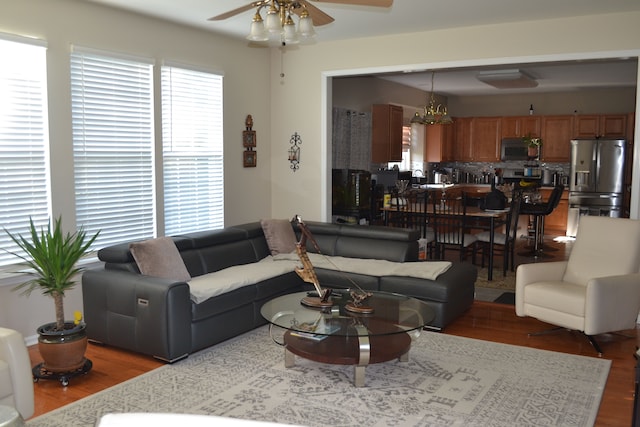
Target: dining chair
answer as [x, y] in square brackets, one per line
[411, 210]
[503, 242]
[400, 214]
[425, 220]
[449, 213]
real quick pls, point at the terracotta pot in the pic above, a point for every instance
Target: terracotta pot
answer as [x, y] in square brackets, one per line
[532, 151]
[62, 351]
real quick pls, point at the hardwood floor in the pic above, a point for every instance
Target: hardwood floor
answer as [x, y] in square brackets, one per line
[485, 320]
[111, 366]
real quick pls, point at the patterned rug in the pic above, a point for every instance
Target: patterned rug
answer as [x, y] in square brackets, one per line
[507, 283]
[448, 381]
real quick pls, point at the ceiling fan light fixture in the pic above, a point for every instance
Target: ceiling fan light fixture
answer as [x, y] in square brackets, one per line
[257, 32]
[273, 24]
[290, 34]
[305, 26]
[279, 13]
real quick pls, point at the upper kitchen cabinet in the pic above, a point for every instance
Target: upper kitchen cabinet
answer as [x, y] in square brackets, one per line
[600, 126]
[462, 139]
[557, 131]
[519, 126]
[438, 141]
[386, 133]
[485, 139]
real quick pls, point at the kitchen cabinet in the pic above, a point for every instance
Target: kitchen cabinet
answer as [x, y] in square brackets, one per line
[485, 139]
[519, 126]
[438, 140]
[600, 125]
[462, 139]
[557, 131]
[386, 133]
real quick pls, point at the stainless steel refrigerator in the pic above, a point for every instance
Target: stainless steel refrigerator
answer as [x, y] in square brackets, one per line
[596, 179]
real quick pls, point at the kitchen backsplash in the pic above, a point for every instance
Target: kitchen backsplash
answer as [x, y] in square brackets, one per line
[475, 172]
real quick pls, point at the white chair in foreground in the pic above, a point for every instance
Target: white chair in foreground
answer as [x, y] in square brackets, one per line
[171, 420]
[597, 290]
[16, 381]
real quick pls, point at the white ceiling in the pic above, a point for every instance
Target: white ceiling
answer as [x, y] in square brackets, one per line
[407, 16]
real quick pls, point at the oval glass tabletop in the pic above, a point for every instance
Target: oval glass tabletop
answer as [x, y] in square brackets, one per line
[392, 314]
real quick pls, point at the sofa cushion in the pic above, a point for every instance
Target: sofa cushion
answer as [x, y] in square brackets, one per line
[159, 258]
[279, 235]
[223, 281]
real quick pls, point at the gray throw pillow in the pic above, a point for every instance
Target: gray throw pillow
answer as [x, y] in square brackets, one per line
[160, 258]
[280, 236]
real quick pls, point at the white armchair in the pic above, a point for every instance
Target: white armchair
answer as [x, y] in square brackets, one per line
[16, 381]
[597, 290]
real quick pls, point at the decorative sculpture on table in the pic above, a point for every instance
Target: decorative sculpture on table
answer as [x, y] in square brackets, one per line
[308, 274]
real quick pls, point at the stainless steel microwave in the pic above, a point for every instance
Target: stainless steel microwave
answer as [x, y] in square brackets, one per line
[513, 149]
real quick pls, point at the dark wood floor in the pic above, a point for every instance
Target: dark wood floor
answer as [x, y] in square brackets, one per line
[485, 320]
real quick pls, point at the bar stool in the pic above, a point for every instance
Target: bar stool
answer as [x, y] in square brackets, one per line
[539, 211]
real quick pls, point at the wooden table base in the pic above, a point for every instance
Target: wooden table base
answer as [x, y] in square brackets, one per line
[359, 351]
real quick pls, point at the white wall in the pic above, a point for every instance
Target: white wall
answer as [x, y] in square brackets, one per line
[63, 23]
[299, 102]
[302, 101]
[583, 101]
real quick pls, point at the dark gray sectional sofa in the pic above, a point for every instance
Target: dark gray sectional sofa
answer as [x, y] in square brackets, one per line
[157, 316]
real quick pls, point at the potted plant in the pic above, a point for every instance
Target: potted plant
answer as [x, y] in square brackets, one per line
[533, 145]
[51, 257]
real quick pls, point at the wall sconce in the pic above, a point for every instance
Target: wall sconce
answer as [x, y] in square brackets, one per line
[294, 151]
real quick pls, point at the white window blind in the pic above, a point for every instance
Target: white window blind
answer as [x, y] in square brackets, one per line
[112, 114]
[24, 172]
[192, 150]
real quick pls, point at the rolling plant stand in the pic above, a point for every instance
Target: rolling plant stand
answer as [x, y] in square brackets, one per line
[41, 373]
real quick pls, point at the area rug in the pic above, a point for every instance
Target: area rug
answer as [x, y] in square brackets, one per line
[448, 381]
[507, 283]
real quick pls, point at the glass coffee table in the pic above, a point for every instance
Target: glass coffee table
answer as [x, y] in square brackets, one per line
[334, 335]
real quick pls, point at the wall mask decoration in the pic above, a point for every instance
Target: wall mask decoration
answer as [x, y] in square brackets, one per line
[249, 156]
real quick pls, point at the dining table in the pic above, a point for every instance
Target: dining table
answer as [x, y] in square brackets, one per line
[484, 219]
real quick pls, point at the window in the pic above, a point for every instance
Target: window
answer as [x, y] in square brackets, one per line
[192, 151]
[113, 146]
[24, 172]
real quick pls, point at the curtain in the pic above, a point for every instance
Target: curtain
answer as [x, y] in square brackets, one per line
[351, 140]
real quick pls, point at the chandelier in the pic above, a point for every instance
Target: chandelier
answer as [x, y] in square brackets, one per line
[279, 24]
[433, 115]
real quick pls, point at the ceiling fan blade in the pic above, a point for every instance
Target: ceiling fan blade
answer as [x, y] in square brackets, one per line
[376, 3]
[317, 16]
[237, 11]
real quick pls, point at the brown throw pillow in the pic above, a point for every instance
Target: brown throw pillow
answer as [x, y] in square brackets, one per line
[280, 236]
[160, 258]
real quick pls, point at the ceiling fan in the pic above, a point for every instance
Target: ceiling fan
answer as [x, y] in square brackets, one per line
[279, 20]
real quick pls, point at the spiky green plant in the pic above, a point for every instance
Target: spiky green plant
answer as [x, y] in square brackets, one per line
[52, 257]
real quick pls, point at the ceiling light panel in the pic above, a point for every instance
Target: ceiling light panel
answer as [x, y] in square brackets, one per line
[507, 79]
